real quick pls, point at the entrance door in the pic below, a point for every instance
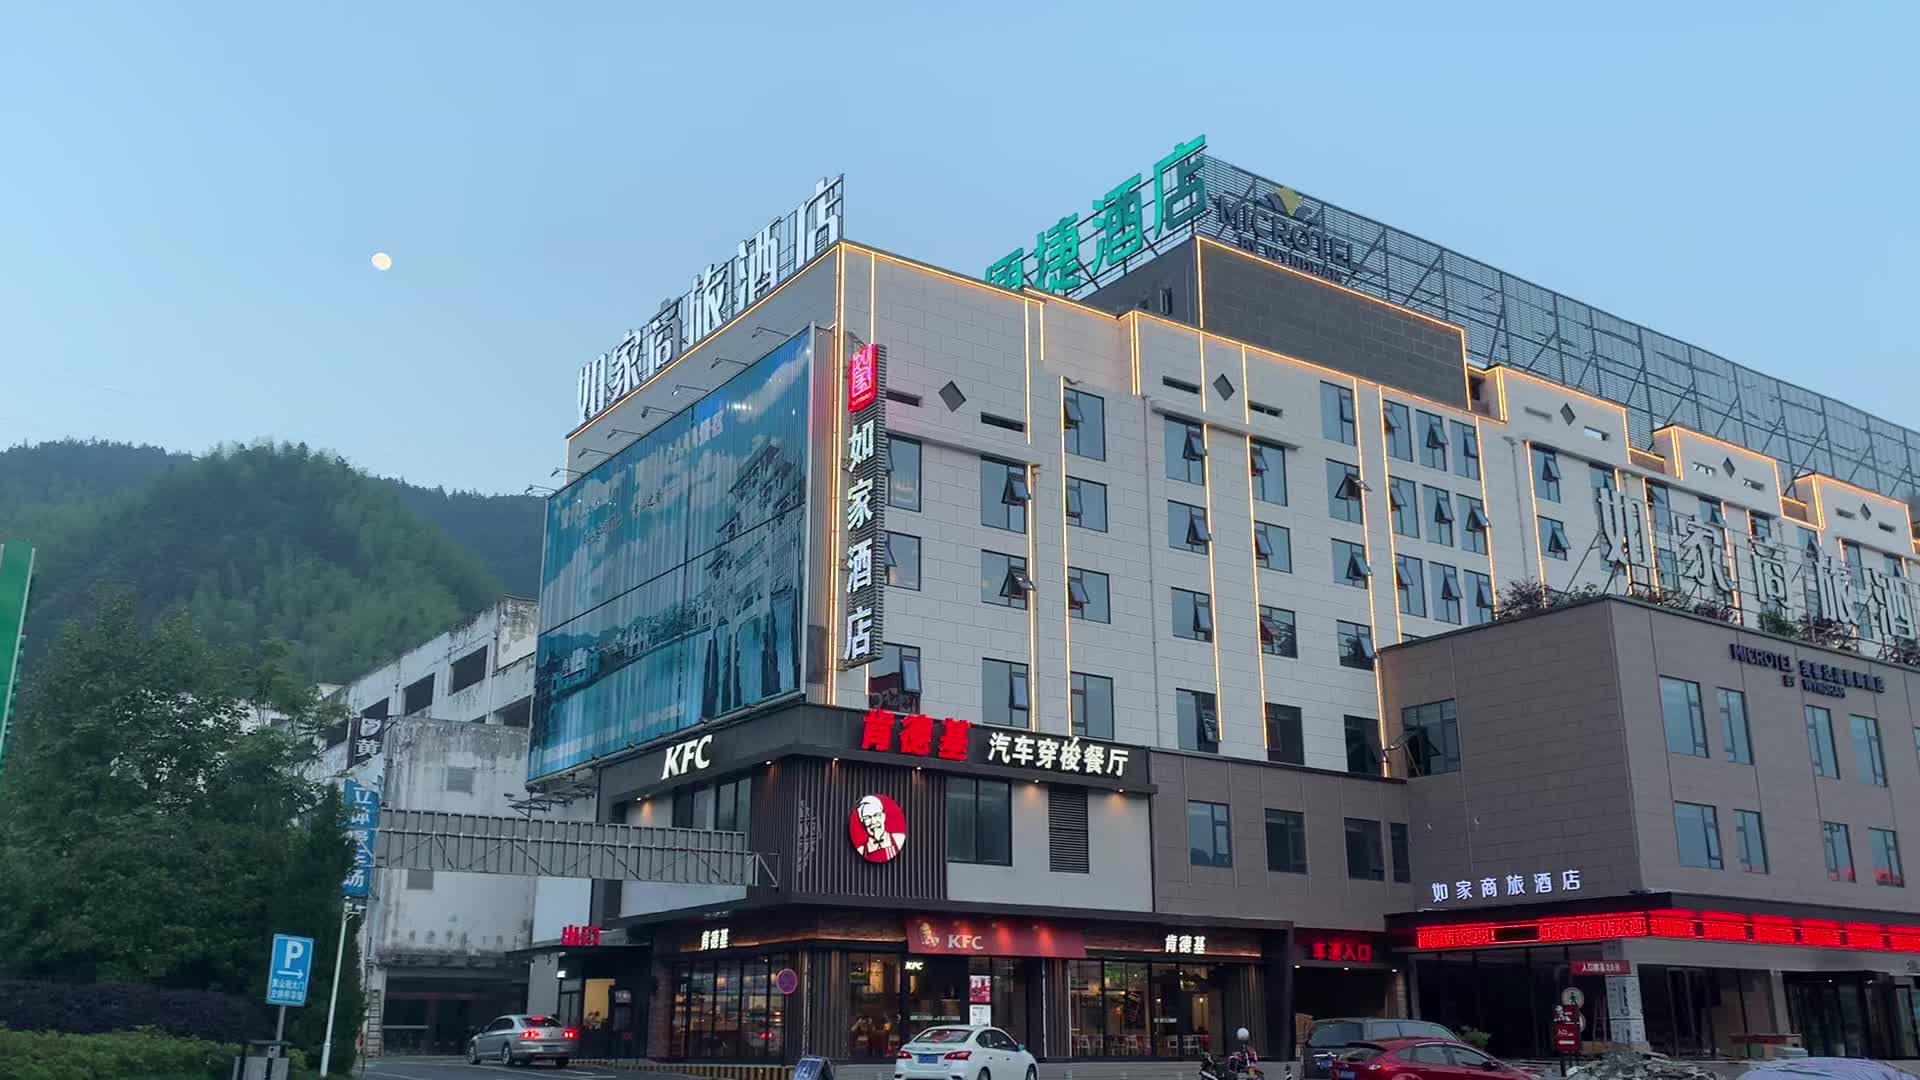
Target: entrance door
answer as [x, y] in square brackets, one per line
[1906, 1020]
[1690, 992]
[1830, 1014]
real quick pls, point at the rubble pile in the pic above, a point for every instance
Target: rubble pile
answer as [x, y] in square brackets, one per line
[1624, 1065]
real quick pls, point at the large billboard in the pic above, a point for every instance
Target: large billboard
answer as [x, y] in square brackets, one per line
[674, 579]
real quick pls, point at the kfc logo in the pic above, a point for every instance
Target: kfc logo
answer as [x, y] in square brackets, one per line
[877, 828]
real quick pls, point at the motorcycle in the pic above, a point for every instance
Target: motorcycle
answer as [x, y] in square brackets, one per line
[1239, 1065]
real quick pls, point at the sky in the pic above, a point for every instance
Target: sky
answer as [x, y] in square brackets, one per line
[190, 193]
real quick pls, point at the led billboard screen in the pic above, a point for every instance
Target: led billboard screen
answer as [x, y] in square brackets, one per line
[674, 576]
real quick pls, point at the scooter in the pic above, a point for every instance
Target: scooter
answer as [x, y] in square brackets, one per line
[1240, 1065]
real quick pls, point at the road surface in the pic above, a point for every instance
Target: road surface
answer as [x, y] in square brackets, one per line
[449, 1068]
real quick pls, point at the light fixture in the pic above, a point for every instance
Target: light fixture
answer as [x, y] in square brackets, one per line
[718, 360]
[585, 450]
[538, 488]
[560, 973]
[558, 469]
[614, 432]
[758, 330]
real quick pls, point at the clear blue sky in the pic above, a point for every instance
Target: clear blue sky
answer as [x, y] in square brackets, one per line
[189, 193]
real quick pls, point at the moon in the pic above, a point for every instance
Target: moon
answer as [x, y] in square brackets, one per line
[382, 261]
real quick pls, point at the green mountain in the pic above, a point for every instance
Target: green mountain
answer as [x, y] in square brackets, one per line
[262, 542]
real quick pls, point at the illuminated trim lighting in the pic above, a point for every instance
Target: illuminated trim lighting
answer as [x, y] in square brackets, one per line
[1726, 926]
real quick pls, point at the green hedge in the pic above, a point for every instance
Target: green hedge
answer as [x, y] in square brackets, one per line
[136, 1055]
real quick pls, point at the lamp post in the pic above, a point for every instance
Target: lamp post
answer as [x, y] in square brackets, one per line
[333, 993]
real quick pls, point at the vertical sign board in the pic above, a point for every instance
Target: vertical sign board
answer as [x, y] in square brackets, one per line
[866, 556]
[363, 824]
[16, 575]
[366, 735]
[290, 970]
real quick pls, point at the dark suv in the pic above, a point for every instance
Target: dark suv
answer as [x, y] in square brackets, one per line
[1329, 1037]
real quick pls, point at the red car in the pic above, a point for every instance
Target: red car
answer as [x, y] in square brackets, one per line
[1420, 1059]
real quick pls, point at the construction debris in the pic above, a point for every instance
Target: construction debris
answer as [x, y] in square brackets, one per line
[1626, 1065]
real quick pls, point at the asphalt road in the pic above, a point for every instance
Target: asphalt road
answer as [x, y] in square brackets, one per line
[447, 1068]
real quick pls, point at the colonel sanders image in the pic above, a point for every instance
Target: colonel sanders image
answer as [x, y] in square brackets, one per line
[878, 829]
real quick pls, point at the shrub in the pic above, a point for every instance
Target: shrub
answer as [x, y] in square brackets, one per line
[134, 1055]
[97, 1008]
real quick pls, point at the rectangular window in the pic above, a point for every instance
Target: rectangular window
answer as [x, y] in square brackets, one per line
[1209, 834]
[1003, 495]
[1086, 424]
[1355, 644]
[1286, 842]
[1285, 743]
[733, 804]
[903, 561]
[1410, 582]
[1752, 839]
[1820, 742]
[1466, 440]
[1403, 504]
[1698, 830]
[979, 821]
[417, 697]
[1363, 746]
[459, 779]
[1733, 726]
[1268, 464]
[1399, 425]
[1087, 595]
[1839, 850]
[1365, 860]
[1273, 547]
[1474, 536]
[1187, 527]
[1439, 515]
[1192, 615]
[1350, 564]
[1186, 452]
[467, 670]
[903, 472]
[1092, 700]
[1867, 759]
[1336, 413]
[1553, 539]
[683, 807]
[1344, 497]
[1199, 722]
[1067, 834]
[1761, 526]
[1432, 733]
[1086, 504]
[1886, 858]
[1003, 693]
[893, 681]
[1003, 580]
[1446, 593]
[1599, 478]
[1402, 857]
[1686, 721]
[1278, 636]
[1433, 442]
[1480, 595]
[1546, 474]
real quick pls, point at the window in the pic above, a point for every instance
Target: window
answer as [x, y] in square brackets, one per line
[1186, 452]
[1003, 693]
[1446, 593]
[1192, 615]
[1752, 840]
[1433, 442]
[1187, 527]
[1867, 760]
[1355, 644]
[903, 561]
[1733, 726]
[1273, 547]
[1600, 478]
[421, 880]
[893, 681]
[903, 472]
[1475, 537]
[1003, 580]
[1365, 860]
[417, 697]
[683, 808]
[1285, 743]
[1343, 492]
[1402, 858]
[1336, 413]
[1277, 634]
[1086, 423]
[1363, 746]
[1432, 733]
[1466, 440]
[1820, 742]
[1067, 834]
[1839, 850]
[1698, 830]
[1761, 526]
[459, 780]
[1209, 834]
[1480, 592]
[1003, 495]
[1087, 595]
[1886, 857]
[1686, 722]
[1199, 723]
[1711, 512]
[1553, 539]
[1086, 504]
[732, 804]
[1399, 425]
[1350, 564]
[1546, 474]
[1410, 582]
[1268, 463]
[467, 670]
[979, 821]
[1439, 516]
[1286, 842]
[1403, 501]
[1092, 701]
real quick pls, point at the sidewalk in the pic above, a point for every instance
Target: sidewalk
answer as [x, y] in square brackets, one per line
[1185, 1070]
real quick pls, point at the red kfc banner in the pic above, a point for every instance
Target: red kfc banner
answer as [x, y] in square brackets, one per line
[993, 937]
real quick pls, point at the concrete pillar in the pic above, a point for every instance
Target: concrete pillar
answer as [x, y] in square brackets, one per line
[1777, 998]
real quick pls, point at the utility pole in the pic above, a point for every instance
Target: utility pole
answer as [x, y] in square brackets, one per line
[333, 992]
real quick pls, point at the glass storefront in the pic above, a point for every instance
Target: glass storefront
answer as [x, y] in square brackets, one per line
[892, 998]
[1126, 1008]
[728, 1009]
[873, 1014]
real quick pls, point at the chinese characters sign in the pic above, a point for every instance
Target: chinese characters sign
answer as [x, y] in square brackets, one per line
[959, 740]
[1540, 883]
[363, 823]
[1186, 944]
[1337, 947]
[864, 507]
[367, 735]
[581, 936]
[715, 939]
[720, 291]
[1828, 680]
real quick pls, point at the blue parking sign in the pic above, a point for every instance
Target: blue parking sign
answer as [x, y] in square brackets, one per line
[288, 973]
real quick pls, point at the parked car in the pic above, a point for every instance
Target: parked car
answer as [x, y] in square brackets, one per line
[1328, 1037]
[521, 1039]
[963, 1052]
[1420, 1059]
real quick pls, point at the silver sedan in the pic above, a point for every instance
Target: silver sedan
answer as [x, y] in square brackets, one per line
[521, 1039]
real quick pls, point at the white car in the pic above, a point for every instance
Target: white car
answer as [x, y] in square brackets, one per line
[955, 1052]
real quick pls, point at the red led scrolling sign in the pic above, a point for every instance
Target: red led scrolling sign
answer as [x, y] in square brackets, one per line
[1682, 925]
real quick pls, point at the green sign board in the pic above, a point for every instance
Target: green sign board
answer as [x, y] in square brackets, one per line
[16, 574]
[1120, 226]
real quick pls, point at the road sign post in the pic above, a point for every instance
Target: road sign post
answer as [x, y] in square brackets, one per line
[288, 973]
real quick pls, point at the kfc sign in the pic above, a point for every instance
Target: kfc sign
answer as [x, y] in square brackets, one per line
[580, 935]
[962, 935]
[686, 757]
[878, 829]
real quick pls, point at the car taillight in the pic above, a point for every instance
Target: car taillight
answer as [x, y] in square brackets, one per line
[904, 1056]
[569, 1034]
[959, 1055]
[529, 1035]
